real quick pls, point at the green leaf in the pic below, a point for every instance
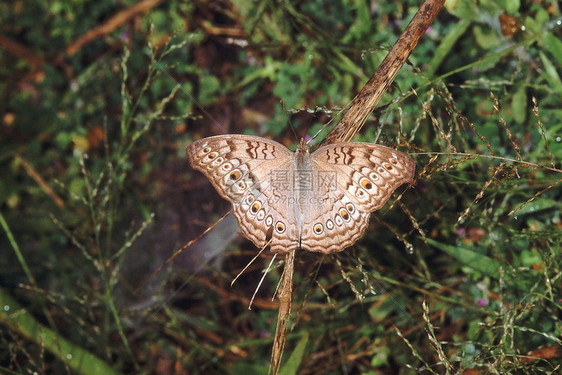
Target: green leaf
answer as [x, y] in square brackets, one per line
[75, 357]
[392, 303]
[469, 257]
[551, 74]
[486, 39]
[210, 86]
[530, 258]
[532, 25]
[464, 9]
[539, 204]
[447, 44]
[380, 357]
[247, 369]
[510, 6]
[292, 365]
[519, 104]
[554, 46]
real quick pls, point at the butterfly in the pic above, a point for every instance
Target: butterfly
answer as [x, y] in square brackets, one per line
[319, 201]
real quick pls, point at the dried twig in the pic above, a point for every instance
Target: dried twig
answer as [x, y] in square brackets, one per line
[349, 125]
[36, 176]
[111, 24]
[20, 51]
[366, 100]
[285, 302]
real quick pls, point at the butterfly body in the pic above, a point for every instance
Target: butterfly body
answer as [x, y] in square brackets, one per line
[319, 201]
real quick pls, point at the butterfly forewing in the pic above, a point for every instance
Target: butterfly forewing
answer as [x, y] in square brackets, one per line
[242, 170]
[367, 173]
[235, 163]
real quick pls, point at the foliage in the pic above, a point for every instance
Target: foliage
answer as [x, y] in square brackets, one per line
[461, 272]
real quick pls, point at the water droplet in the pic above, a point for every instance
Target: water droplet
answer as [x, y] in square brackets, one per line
[410, 248]
[69, 356]
[558, 139]
[6, 307]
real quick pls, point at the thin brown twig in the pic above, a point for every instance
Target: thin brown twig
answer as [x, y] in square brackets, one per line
[179, 251]
[111, 24]
[368, 97]
[21, 52]
[285, 303]
[36, 176]
[493, 157]
[262, 303]
[363, 103]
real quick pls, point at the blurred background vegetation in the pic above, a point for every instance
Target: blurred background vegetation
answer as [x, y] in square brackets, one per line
[99, 100]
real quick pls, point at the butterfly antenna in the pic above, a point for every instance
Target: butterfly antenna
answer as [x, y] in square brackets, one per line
[261, 281]
[160, 66]
[323, 127]
[297, 138]
[250, 263]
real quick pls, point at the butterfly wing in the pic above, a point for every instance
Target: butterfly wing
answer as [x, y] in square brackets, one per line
[256, 176]
[241, 169]
[363, 177]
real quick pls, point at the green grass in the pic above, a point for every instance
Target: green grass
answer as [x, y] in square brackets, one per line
[462, 272]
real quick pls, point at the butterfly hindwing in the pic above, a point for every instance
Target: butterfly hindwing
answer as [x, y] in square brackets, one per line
[240, 168]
